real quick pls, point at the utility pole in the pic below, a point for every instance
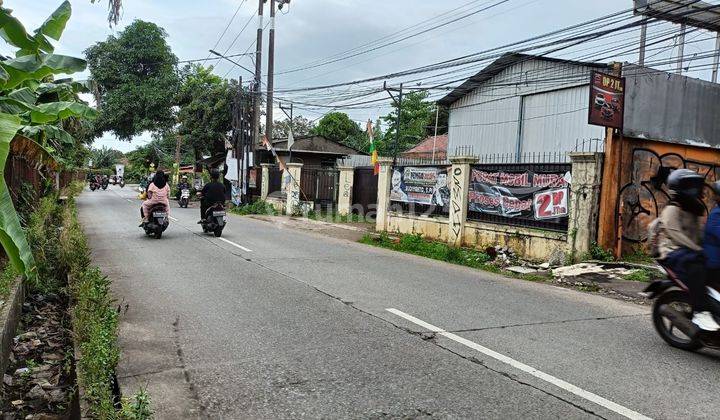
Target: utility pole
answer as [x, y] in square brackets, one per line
[177, 159]
[239, 139]
[398, 103]
[258, 74]
[270, 75]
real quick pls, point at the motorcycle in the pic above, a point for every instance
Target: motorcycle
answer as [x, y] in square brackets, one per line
[672, 313]
[94, 185]
[184, 198]
[158, 222]
[105, 182]
[122, 182]
[215, 220]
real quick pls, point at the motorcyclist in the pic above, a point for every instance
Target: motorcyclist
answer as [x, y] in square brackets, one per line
[157, 193]
[213, 192]
[711, 239]
[679, 241]
[183, 185]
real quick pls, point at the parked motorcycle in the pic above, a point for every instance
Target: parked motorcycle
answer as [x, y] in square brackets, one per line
[105, 182]
[121, 181]
[184, 198]
[94, 185]
[215, 220]
[158, 221]
[672, 313]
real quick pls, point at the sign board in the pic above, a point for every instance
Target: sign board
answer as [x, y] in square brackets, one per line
[607, 100]
[522, 195]
[427, 185]
[252, 178]
[120, 170]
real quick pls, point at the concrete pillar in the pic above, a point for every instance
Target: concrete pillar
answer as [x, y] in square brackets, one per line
[383, 198]
[459, 189]
[587, 172]
[265, 182]
[292, 202]
[345, 199]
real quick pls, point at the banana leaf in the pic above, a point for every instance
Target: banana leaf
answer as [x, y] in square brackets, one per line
[36, 67]
[12, 237]
[12, 31]
[48, 132]
[55, 24]
[53, 111]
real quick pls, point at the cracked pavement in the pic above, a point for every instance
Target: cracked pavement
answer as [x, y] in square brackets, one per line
[298, 328]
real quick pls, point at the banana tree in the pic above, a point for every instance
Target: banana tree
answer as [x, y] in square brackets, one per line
[33, 108]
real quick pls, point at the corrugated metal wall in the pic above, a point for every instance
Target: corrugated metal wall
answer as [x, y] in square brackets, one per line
[556, 121]
[670, 107]
[486, 119]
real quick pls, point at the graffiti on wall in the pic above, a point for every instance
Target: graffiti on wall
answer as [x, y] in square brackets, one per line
[642, 199]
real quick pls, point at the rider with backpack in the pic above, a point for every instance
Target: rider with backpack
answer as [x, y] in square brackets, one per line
[676, 239]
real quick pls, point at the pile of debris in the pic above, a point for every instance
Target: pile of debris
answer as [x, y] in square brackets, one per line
[39, 381]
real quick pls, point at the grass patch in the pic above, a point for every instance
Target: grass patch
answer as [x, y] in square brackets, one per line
[639, 256]
[62, 253]
[415, 244]
[642, 275]
[7, 279]
[258, 207]
[598, 253]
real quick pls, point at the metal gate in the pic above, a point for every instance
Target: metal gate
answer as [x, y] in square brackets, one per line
[364, 189]
[319, 185]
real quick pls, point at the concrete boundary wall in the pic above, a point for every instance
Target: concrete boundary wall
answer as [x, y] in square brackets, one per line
[9, 318]
[530, 243]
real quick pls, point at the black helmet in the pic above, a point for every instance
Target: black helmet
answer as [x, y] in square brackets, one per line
[685, 183]
[214, 173]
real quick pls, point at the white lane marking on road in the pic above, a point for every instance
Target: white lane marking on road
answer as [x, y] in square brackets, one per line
[236, 245]
[617, 408]
[173, 219]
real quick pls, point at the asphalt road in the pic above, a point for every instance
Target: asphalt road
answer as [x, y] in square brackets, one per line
[281, 323]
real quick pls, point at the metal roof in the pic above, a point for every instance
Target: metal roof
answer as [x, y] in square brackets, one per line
[505, 61]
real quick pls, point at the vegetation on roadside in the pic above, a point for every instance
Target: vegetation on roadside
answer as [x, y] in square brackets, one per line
[598, 253]
[641, 274]
[7, 279]
[415, 244]
[258, 207]
[63, 264]
[334, 217]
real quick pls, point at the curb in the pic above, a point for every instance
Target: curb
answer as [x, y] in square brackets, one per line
[9, 318]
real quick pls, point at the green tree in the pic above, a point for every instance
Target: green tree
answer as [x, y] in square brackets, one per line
[105, 157]
[205, 114]
[136, 81]
[301, 126]
[416, 117]
[338, 126]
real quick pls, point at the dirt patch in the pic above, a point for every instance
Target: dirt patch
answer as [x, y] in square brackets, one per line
[39, 382]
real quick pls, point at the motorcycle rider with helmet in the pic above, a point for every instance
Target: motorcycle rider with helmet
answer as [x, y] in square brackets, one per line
[679, 241]
[183, 185]
[213, 192]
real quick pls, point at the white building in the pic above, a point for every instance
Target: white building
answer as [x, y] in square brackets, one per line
[523, 104]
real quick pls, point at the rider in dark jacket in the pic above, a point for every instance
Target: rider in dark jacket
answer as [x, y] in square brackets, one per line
[183, 185]
[711, 239]
[212, 193]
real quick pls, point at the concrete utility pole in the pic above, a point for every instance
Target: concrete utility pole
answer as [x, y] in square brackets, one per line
[270, 75]
[258, 74]
[398, 102]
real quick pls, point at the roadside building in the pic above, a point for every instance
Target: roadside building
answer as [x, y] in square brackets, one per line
[522, 105]
[432, 148]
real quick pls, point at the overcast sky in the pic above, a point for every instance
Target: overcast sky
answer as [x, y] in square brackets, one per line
[314, 29]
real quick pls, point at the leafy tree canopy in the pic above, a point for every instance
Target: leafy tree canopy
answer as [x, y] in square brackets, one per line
[417, 120]
[105, 157]
[301, 126]
[205, 115]
[136, 81]
[338, 126]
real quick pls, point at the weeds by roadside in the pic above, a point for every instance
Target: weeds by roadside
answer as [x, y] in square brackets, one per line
[63, 260]
[258, 207]
[642, 275]
[7, 279]
[415, 244]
